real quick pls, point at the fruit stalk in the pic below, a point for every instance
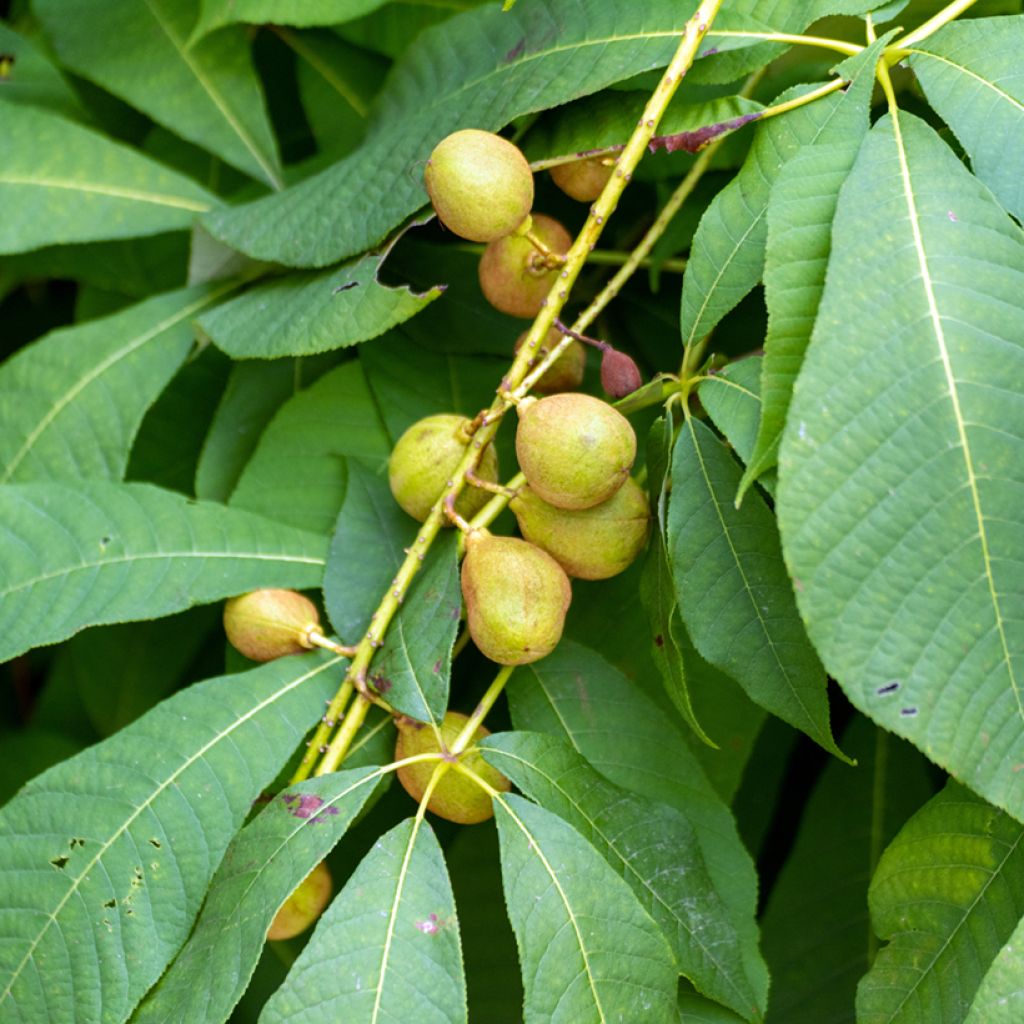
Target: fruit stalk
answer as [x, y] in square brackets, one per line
[693, 32]
[480, 711]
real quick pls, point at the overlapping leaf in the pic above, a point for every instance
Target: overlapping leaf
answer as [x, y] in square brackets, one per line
[208, 93]
[71, 403]
[264, 864]
[387, 948]
[105, 858]
[33, 79]
[1000, 997]
[588, 951]
[215, 13]
[96, 553]
[63, 183]
[948, 892]
[901, 464]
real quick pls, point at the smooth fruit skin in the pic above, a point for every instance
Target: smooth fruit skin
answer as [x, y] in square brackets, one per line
[513, 275]
[424, 460]
[591, 543]
[583, 179]
[455, 797]
[268, 624]
[620, 376]
[480, 184]
[566, 373]
[575, 450]
[304, 905]
[516, 597]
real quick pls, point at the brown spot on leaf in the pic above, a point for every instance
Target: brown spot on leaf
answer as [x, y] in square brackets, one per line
[692, 141]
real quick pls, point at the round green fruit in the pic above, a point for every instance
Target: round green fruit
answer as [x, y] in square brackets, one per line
[425, 458]
[591, 543]
[455, 797]
[480, 185]
[566, 373]
[574, 450]
[516, 598]
[304, 905]
[583, 179]
[268, 624]
[514, 276]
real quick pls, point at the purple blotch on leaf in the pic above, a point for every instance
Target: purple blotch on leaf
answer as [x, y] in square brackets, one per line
[430, 926]
[516, 51]
[696, 140]
[307, 805]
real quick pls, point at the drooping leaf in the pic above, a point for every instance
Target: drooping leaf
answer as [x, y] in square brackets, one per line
[948, 892]
[304, 313]
[480, 69]
[413, 670]
[97, 553]
[105, 858]
[651, 846]
[63, 183]
[71, 403]
[588, 951]
[902, 455]
[366, 551]
[208, 93]
[215, 13]
[1000, 997]
[264, 864]
[33, 80]
[575, 694]
[970, 72]
[388, 946]
[695, 1009]
[297, 472]
[735, 596]
[818, 939]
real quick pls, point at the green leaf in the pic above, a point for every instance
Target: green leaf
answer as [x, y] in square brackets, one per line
[302, 314]
[695, 1009]
[392, 28]
[71, 403]
[414, 668]
[482, 69]
[1000, 998]
[264, 864]
[734, 594]
[216, 13]
[388, 946]
[575, 694]
[297, 473]
[208, 93]
[105, 858]
[34, 80]
[366, 551]
[63, 183]
[970, 73]
[947, 894]
[588, 951]
[817, 936]
[900, 463]
[647, 844]
[97, 553]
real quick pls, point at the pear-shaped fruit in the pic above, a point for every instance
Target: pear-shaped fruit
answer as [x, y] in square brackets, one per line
[268, 624]
[620, 376]
[304, 905]
[566, 373]
[590, 543]
[424, 460]
[480, 184]
[455, 797]
[584, 179]
[575, 450]
[516, 598]
[514, 276]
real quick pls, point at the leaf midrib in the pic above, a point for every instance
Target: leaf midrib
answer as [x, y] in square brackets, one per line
[1001, 93]
[114, 192]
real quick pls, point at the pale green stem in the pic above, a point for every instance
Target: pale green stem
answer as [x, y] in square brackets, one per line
[838, 45]
[480, 711]
[933, 24]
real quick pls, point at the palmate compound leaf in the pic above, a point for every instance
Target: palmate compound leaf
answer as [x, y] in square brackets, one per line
[947, 893]
[650, 845]
[588, 951]
[479, 69]
[901, 482]
[971, 73]
[209, 93]
[734, 595]
[71, 403]
[264, 864]
[96, 552]
[105, 858]
[387, 949]
[63, 183]
[576, 695]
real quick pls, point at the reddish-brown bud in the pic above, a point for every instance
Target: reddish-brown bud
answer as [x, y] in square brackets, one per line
[620, 376]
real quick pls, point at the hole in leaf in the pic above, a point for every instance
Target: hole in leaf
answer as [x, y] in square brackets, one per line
[110, 903]
[155, 842]
[59, 862]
